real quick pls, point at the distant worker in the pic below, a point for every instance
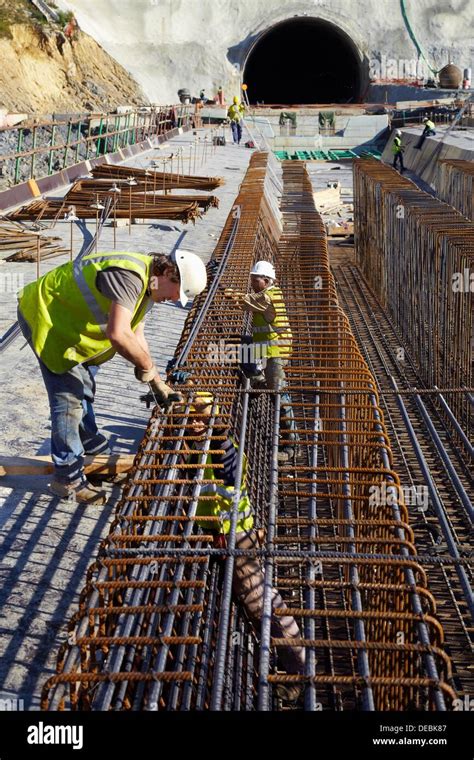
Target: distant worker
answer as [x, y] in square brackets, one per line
[202, 96]
[76, 317]
[235, 114]
[220, 96]
[428, 131]
[397, 150]
[71, 30]
[271, 334]
[248, 580]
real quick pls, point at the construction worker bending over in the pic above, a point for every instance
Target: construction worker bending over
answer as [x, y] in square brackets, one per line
[248, 580]
[429, 129]
[397, 150]
[235, 114]
[271, 333]
[77, 317]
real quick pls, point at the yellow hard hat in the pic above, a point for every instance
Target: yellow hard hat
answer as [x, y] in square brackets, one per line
[236, 99]
[201, 401]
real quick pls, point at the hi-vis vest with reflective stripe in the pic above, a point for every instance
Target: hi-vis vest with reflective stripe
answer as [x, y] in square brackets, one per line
[68, 315]
[235, 112]
[274, 337]
[397, 146]
[221, 505]
[429, 125]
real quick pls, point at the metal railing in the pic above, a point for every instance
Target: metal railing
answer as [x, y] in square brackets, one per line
[42, 148]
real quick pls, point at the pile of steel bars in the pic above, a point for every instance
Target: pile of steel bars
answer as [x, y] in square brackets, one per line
[169, 179]
[140, 200]
[455, 185]
[26, 243]
[417, 254]
[125, 207]
[143, 194]
[157, 627]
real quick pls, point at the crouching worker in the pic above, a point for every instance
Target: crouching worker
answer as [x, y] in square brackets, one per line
[75, 318]
[248, 581]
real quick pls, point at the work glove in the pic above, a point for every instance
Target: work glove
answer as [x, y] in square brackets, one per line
[258, 303]
[234, 295]
[163, 394]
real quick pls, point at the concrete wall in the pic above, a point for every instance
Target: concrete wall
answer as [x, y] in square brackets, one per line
[425, 162]
[168, 44]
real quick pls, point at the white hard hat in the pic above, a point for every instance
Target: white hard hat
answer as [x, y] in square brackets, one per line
[192, 274]
[264, 269]
[398, 133]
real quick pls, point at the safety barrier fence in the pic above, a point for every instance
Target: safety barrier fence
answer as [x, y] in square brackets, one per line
[157, 626]
[40, 148]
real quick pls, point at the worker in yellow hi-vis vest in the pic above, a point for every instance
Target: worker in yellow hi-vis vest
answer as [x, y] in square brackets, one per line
[397, 150]
[75, 318]
[272, 341]
[235, 114]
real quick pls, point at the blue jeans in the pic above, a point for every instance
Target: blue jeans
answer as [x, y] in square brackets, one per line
[236, 127]
[74, 430]
[275, 377]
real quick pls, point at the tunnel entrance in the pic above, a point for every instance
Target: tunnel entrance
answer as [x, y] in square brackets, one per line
[304, 60]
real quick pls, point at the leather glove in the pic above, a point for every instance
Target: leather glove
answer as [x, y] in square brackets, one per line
[233, 295]
[164, 395]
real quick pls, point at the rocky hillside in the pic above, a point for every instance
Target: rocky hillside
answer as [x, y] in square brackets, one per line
[44, 71]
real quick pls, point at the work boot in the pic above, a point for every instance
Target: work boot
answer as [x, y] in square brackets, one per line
[78, 491]
[97, 478]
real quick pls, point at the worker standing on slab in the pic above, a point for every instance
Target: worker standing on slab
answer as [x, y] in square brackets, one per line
[248, 579]
[271, 334]
[235, 114]
[75, 318]
[397, 150]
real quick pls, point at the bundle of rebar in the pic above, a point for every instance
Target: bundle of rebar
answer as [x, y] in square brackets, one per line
[417, 253]
[156, 207]
[26, 243]
[455, 185]
[166, 180]
[143, 194]
[157, 626]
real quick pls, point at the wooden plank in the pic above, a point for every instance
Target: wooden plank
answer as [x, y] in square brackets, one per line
[42, 465]
[331, 196]
[336, 230]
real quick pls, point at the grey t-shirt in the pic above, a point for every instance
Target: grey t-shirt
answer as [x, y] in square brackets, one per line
[120, 285]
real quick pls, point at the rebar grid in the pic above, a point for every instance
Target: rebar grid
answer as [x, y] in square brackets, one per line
[156, 627]
[455, 185]
[417, 254]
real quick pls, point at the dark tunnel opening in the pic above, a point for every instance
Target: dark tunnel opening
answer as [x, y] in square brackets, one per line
[304, 61]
